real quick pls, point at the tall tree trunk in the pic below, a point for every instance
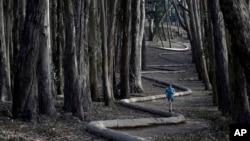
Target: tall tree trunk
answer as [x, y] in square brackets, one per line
[53, 25]
[18, 25]
[237, 16]
[60, 45]
[108, 100]
[221, 58]
[124, 72]
[111, 44]
[8, 41]
[77, 95]
[198, 43]
[200, 48]
[46, 100]
[194, 39]
[84, 97]
[70, 68]
[144, 53]
[151, 29]
[34, 50]
[92, 53]
[137, 28]
[5, 91]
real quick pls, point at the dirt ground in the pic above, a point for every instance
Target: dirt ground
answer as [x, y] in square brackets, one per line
[203, 120]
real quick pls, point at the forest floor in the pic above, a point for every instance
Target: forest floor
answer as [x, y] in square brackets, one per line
[203, 120]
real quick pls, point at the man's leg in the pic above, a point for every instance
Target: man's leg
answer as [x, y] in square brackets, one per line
[170, 105]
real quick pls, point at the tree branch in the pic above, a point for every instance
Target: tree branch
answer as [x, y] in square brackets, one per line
[179, 16]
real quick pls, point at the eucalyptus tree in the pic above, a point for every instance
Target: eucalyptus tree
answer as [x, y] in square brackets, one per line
[124, 65]
[221, 57]
[5, 91]
[57, 45]
[237, 15]
[32, 88]
[76, 93]
[137, 29]
[8, 14]
[197, 42]
[93, 51]
[108, 24]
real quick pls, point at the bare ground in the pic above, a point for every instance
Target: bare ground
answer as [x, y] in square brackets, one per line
[203, 120]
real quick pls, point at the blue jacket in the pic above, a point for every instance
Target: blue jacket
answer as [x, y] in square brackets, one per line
[170, 92]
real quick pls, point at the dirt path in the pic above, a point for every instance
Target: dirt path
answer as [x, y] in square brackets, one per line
[194, 107]
[203, 121]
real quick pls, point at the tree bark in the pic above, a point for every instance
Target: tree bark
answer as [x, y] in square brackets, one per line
[83, 98]
[144, 54]
[193, 41]
[201, 48]
[108, 100]
[111, 45]
[8, 14]
[34, 50]
[237, 16]
[76, 92]
[19, 8]
[124, 72]
[70, 75]
[5, 91]
[46, 100]
[137, 28]
[221, 58]
[92, 51]
[60, 42]
[197, 43]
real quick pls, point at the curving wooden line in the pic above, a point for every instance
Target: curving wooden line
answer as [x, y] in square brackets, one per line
[106, 128]
[185, 47]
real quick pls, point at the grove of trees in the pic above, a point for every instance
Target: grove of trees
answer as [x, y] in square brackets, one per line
[80, 48]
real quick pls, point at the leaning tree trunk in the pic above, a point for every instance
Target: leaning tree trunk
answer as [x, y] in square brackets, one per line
[5, 91]
[34, 50]
[137, 28]
[200, 47]
[124, 72]
[194, 39]
[237, 16]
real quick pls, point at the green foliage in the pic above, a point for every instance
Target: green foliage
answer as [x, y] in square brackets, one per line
[155, 10]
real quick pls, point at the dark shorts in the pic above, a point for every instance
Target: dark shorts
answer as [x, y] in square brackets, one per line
[170, 99]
